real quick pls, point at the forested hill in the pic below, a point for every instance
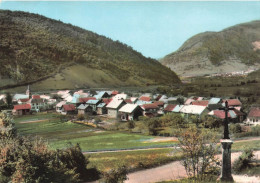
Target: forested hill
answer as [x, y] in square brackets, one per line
[232, 49]
[35, 48]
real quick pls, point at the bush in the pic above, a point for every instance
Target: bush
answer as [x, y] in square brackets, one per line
[235, 128]
[118, 175]
[243, 161]
[80, 117]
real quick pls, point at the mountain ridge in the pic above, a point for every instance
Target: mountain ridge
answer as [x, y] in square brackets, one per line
[36, 48]
[232, 49]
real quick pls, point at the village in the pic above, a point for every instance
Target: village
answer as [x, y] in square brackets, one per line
[126, 107]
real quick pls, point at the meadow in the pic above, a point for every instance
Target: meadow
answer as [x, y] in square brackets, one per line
[133, 159]
[60, 134]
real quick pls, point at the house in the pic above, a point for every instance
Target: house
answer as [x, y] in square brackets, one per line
[150, 110]
[215, 103]
[215, 100]
[36, 96]
[177, 108]
[21, 109]
[113, 107]
[171, 100]
[141, 102]
[169, 108]
[114, 93]
[93, 104]
[130, 112]
[24, 101]
[101, 108]
[145, 98]
[16, 97]
[37, 104]
[253, 117]
[59, 106]
[200, 102]
[106, 100]
[160, 105]
[85, 109]
[85, 99]
[129, 101]
[240, 115]
[194, 110]
[101, 94]
[68, 109]
[75, 99]
[221, 114]
[120, 96]
[189, 101]
[133, 99]
[233, 103]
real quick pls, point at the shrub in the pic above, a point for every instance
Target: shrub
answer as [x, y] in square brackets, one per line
[243, 161]
[235, 128]
[118, 175]
[80, 117]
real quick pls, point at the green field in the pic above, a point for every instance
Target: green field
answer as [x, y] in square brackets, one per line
[59, 134]
[240, 146]
[133, 159]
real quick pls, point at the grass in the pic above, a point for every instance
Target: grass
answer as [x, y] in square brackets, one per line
[133, 159]
[59, 134]
[252, 171]
[240, 146]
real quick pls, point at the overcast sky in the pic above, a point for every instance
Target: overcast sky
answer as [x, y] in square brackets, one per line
[153, 28]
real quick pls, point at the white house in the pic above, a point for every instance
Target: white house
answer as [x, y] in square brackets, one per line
[113, 108]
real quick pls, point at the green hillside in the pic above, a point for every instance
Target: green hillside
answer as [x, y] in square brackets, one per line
[235, 48]
[35, 48]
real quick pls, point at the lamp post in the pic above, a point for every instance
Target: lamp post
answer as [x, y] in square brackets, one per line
[226, 149]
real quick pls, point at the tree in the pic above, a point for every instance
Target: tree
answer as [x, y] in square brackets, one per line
[8, 99]
[152, 124]
[180, 100]
[7, 127]
[178, 120]
[29, 160]
[235, 128]
[24, 159]
[130, 124]
[73, 159]
[199, 150]
[210, 122]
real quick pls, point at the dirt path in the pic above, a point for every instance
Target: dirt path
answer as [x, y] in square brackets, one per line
[175, 170]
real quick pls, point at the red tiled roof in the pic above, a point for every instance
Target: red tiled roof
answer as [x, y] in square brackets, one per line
[84, 100]
[233, 102]
[24, 99]
[159, 103]
[69, 107]
[36, 96]
[238, 112]
[129, 101]
[149, 106]
[114, 92]
[200, 102]
[144, 98]
[107, 100]
[170, 107]
[220, 114]
[254, 112]
[22, 106]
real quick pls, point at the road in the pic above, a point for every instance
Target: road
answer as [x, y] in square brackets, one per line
[175, 170]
